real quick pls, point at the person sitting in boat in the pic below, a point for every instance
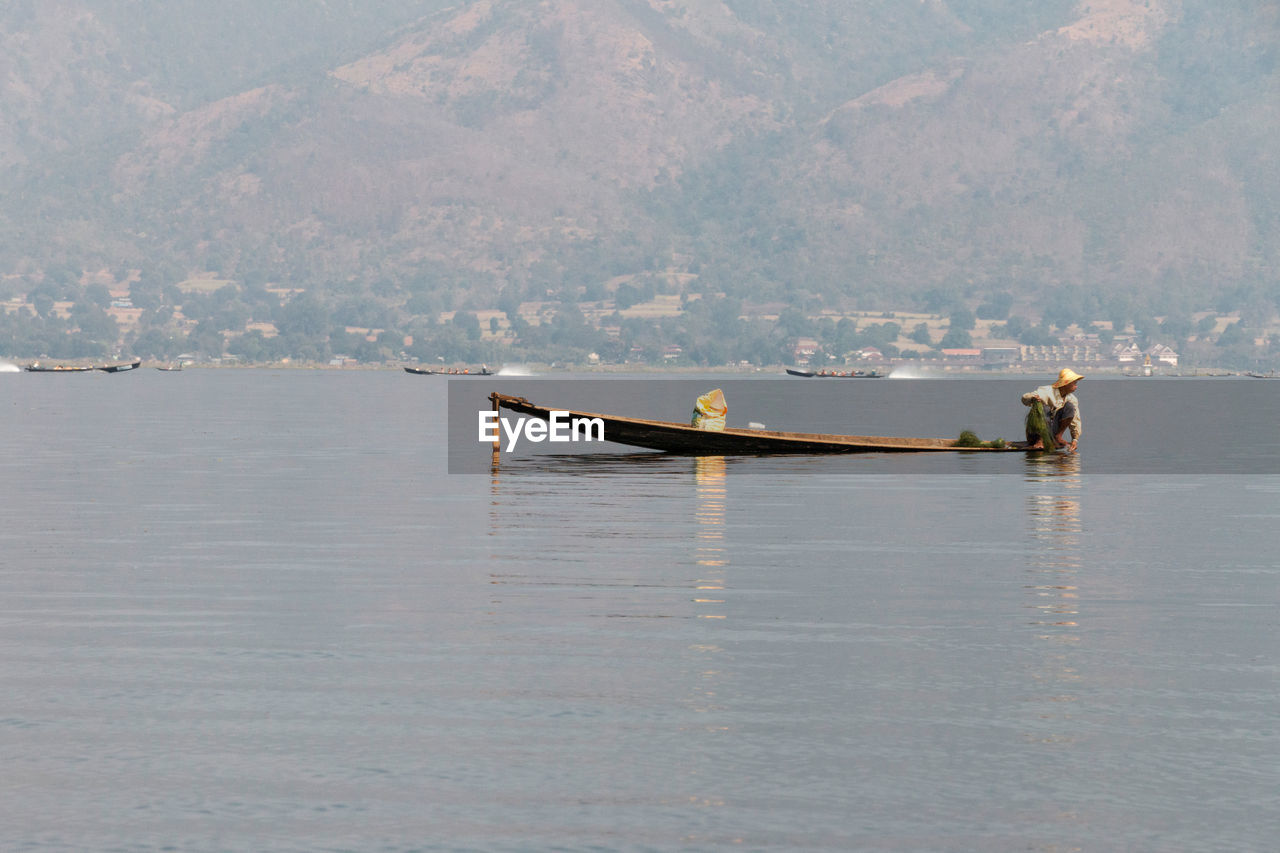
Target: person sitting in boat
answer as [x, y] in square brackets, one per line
[1061, 408]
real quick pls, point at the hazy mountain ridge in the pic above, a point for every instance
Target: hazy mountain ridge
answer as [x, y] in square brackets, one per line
[56, 61]
[571, 84]
[869, 155]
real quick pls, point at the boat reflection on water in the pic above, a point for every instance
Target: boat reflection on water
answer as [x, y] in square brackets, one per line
[711, 560]
[1054, 570]
[711, 557]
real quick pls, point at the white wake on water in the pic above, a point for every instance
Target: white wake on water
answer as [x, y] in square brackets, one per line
[515, 370]
[9, 367]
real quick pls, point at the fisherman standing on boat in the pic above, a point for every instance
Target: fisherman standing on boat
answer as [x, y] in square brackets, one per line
[1061, 409]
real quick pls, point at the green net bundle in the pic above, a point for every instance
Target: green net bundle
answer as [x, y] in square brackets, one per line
[1038, 426]
[969, 438]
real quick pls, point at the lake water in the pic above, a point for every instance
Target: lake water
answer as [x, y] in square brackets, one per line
[251, 610]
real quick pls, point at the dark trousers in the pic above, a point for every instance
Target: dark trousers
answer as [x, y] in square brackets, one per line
[1058, 421]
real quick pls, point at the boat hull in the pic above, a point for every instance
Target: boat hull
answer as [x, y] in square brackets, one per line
[689, 440]
[120, 368]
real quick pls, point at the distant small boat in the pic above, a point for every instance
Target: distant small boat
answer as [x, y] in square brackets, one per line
[120, 368]
[837, 374]
[170, 368]
[423, 371]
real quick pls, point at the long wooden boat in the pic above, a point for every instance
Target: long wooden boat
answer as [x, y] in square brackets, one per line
[836, 374]
[37, 367]
[690, 440]
[424, 371]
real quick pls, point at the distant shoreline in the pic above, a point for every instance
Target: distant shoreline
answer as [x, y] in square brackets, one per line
[922, 370]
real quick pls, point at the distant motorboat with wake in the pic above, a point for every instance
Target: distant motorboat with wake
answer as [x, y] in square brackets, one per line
[836, 374]
[37, 367]
[426, 371]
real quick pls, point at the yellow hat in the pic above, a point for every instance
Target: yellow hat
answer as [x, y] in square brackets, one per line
[1066, 377]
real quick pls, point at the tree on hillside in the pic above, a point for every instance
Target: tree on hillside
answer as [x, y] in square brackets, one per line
[792, 324]
[1037, 336]
[95, 323]
[962, 319]
[249, 347]
[206, 339]
[627, 295]
[570, 328]
[156, 343]
[1175, 329]
[468, 324]
[304, 315]
[996, 307]
[880, 335]
[42, 302]
[232, 316]
[509, 301]
[956, 339]
[98, 295]
[1233, 336]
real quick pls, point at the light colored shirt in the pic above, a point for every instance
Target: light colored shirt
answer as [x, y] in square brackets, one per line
[1053, 401]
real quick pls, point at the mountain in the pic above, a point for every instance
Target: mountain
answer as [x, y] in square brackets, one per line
[1110, 155]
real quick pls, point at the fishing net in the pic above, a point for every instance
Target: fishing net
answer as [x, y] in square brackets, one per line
[969, 438]
[1038, 427]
